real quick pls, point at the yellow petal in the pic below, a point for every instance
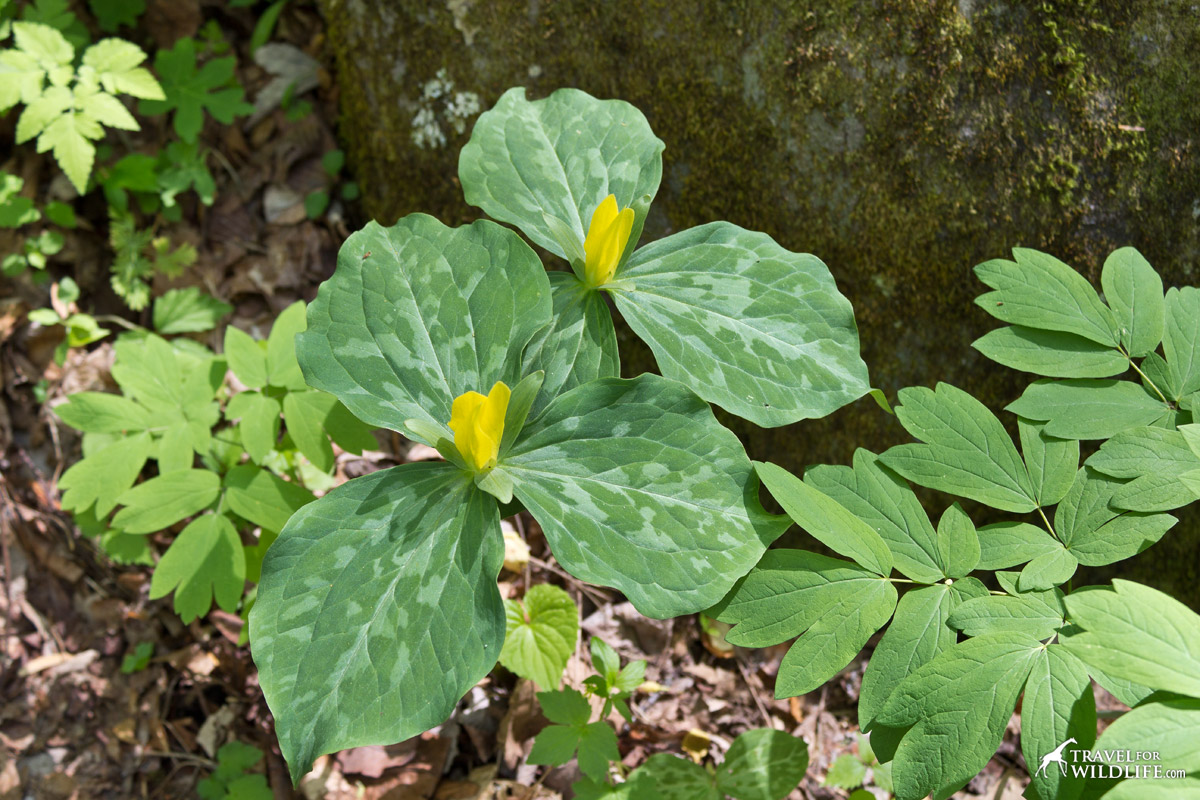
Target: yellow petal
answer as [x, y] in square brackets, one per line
[478, 425]
[608, 233]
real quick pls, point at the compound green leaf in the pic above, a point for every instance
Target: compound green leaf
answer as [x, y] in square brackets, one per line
[67, 136]
[1181, 338]
[1051, 462]
[204, 562]
[1008, 544]
[918, 632]
[419, 313]
[546, 165]
[259, 425]
[378, 609]
[103, 476]
[597, 749]
[161, 502]
[835, 604]
[828, 521]
[679, 779]
[754, 328]
[1156, 789]
[1051, 353]
[305, 414]
[958, 542]
[1048, 570]
[1168, 727]
[579, 344]
[966, 452]
[264, 498]
[246, 357]
[283, 370]
[1081, 409]
[638, 487]
[1039, 291]
[1153, 460]
[188, 311]
[1135, 294]
[886, 503]
[846, 772]
[1023, 613]
[1058, 706]
[98, 412]
[834, 640]
[1095, 532]
[958, 705]
[763, 764]
[541, 633]
[175, 448]
[1137, 634]
[189, 91]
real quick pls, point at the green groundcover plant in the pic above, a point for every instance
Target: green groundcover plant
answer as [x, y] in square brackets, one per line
[378, 607]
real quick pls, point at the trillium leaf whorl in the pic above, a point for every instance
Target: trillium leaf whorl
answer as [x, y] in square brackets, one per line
[419, 313]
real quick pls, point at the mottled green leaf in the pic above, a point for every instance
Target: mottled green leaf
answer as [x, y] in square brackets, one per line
[958, 705]
[161, 502]
[763, 764]
[1181, 338]
[579, 344]
[754, 328]
[828, 521]
[103, 476]
[419, 313]
[1058, 705]
[1051, 462]
[204, 562]
[546, 165]
[1051, 353]
[1152, 460]
[540, 636]
[638, 487]
[1039, 291]
[1087, 409]
[886, 503]
[679, 779]
[966, 452]
[1135, 293]
[362, 592]
[1138, 634]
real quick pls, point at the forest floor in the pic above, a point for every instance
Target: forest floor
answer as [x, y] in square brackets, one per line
[74, 724]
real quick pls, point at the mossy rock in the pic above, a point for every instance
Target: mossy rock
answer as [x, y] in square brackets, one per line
[902, 141]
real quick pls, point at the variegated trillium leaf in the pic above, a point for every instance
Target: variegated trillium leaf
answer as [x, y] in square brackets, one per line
[378, 607]
[760, 331]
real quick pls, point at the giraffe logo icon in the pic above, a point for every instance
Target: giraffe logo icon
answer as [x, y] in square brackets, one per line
[1055, 756]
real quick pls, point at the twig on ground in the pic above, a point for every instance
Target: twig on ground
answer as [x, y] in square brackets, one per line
[762, 708]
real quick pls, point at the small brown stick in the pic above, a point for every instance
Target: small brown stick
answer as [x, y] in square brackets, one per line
[762, 708]
[597, 598]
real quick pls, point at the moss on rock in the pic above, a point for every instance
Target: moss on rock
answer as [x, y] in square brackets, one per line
[902, 141]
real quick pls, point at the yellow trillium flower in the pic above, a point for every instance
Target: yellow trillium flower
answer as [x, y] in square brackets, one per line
[607, 236]
[478, 425]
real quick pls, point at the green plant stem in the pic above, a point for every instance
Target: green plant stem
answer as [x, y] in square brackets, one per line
[1049, 527]
[124, 323]
[1146, 378]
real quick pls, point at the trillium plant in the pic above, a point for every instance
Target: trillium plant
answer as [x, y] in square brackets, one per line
[378, 607]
